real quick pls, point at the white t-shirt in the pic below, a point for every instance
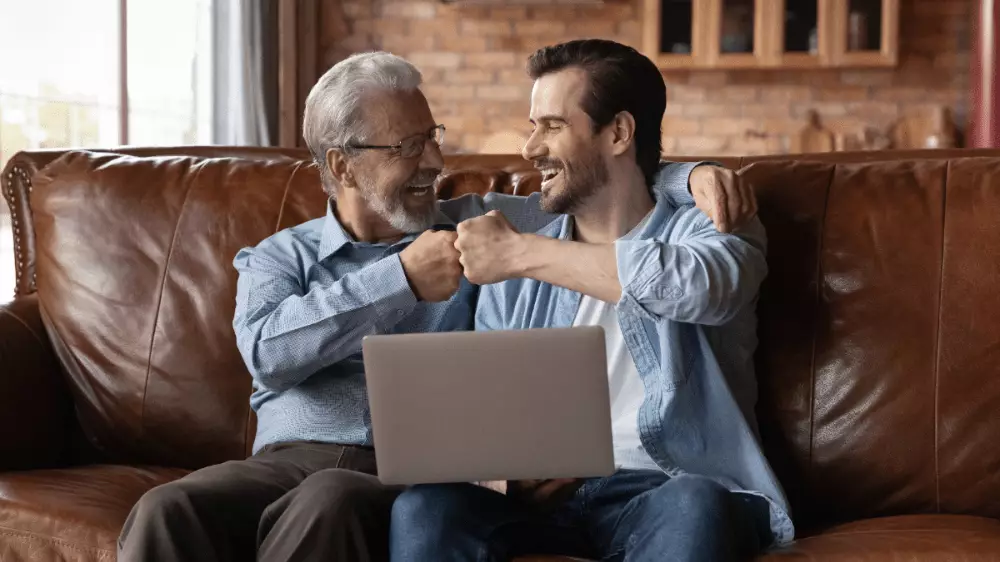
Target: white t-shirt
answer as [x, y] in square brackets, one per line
[627, 391]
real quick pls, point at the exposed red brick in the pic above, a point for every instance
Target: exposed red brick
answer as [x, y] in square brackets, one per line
[444, 92]
[742, 94]
[546, 28]
[489, 60]
[843, 93]
[407, 43]
[766, 110]
[727, 126]
[416, 9]
[461, 44]
[469, 76]
[509, 13]
[598, 28]
[703, 145]
[435, 59]
[785, 94]
[677, 126]
[489, 27]
[500, 92]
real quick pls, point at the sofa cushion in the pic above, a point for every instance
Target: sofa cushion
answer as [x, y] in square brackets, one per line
[913, 537]
[70, 514]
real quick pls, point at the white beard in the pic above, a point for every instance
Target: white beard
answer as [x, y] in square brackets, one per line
[396, 215]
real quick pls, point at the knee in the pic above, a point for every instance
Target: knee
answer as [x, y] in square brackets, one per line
[163, 500]
[156, 512]
[337, 492]
[693, 496]
[427, 508]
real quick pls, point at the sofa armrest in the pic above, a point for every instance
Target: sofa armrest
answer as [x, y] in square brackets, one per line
[35, 403]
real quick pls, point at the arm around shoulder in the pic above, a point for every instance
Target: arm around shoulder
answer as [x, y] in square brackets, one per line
[698, 275]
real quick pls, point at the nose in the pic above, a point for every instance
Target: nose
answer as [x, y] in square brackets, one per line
[431, 157]
[534, 148]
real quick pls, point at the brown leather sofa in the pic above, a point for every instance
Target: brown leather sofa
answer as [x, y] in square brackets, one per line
[879, 357]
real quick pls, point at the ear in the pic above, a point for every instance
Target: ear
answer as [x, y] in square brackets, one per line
[341, 168]
[623, 129]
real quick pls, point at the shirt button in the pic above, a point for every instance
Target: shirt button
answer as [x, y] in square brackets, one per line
[400, 313]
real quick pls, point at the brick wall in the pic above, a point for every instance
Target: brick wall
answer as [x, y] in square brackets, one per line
[473, 63]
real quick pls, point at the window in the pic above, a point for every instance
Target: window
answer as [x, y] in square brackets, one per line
[62, 66]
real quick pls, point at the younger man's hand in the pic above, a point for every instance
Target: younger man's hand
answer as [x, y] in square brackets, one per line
[489, 246]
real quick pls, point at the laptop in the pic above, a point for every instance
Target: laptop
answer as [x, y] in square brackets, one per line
[478, 406]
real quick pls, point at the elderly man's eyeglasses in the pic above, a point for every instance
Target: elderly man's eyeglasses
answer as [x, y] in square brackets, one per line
[410, 147]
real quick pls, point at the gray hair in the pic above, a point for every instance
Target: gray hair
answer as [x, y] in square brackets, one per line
[334, 116]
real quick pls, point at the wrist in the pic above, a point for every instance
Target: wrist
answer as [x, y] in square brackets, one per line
[698, 169]
[523, 259]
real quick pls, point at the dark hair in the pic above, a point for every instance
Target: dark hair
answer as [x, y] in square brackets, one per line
[621, 79]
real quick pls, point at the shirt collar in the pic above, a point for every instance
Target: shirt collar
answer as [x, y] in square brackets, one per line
[334, 236]
[562, 227]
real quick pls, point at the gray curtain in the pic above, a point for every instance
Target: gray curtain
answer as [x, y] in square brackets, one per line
[243, 106]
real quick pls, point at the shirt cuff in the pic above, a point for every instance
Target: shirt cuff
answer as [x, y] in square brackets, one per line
[388, 291]
[673, 181]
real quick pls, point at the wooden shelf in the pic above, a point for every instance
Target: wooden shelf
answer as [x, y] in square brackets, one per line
[831, 48]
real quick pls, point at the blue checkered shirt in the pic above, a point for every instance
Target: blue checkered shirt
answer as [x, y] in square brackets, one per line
[308, 295]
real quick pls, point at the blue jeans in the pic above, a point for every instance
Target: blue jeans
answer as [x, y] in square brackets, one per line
[631, 516]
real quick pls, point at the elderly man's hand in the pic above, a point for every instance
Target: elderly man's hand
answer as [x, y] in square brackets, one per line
[724, 195]
[488, 247]
[431, 265]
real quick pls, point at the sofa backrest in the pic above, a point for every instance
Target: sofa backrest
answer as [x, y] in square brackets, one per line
[878, 357]
[137, 288]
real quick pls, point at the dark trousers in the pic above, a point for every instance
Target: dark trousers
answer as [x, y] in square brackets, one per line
[290, 501]
[632, 516]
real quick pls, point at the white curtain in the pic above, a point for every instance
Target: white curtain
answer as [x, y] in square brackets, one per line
[239, 109]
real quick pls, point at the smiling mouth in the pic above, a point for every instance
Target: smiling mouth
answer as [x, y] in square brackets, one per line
[420, 190]
[549, 174]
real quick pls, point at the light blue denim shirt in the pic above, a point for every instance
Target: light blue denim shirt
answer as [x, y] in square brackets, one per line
[687, 313]
[307, 295]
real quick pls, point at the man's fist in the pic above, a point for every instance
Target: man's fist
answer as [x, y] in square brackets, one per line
[724, 195]
[488, 245]
[431, 265]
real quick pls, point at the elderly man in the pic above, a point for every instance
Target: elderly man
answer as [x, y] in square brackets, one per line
[676, 299]
[382, 260]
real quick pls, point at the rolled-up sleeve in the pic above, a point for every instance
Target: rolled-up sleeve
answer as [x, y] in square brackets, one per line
[673, 182]
[286, 333]
[698, 275]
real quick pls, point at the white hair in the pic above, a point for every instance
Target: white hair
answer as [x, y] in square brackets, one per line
[334, 116]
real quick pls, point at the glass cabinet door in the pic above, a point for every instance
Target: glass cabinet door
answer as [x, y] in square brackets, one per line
[736, 31]
[676, 25]
[864, 25]
[801, 33]
[670, 36]
[800, 24]
[866, 32]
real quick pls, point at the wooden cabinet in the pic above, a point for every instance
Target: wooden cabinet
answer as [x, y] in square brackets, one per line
[728, 34]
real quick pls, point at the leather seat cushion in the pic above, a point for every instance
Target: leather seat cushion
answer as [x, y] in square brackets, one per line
[71, 514]
[915, 538]
[910, 537]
